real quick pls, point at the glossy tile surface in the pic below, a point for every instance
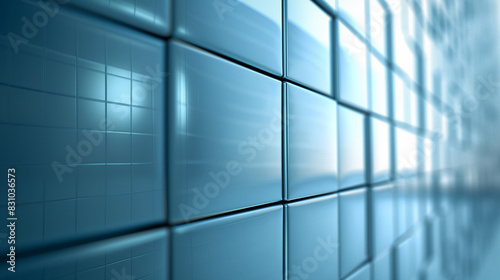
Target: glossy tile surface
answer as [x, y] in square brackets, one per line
[351, 148]
[312, 143]
[313, 243]
[134, 256]
[84, 127]
[308, 45]
[150, 15]
[382, 267]
[381, 155]
[225, 136]
[352, 69]
[222, 248]
[383, 218]
[353, 230]
[362, 274]
[379, 94]
[246, 30]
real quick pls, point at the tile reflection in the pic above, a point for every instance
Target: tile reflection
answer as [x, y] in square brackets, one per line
[309, 45]
[312, 143]
[250, 31]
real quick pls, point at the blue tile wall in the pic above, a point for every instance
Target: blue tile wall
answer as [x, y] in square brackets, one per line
[149, 15]
[308, 45]
[312, 143]
[212, 249]
[75, 136]
[218, 163]
[241, 139]
[249, 31]
[135, 256]
[352, 167]
[353, 230]
[313, 244]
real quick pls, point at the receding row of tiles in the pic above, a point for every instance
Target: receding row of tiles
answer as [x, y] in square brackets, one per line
[319, 159]
[244, 30]
[104, 145]
[330, 237]
[224, 144]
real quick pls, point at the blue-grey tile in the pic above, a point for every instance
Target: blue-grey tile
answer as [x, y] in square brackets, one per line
[313, 243]
[91, 180]
[118, 179]
[60, 77]
[381, 157]
[60, 111]
[118, 211]
[308, 45]
[224, 136]
[352, 68]
[250, 31]
[89, 215]
[91, 145]
[351, 127]
[405, 260]
[143, 208]
[382, 269]
[383, 219]
[118, 147]
[120, 116]
[206, 249]
[142, 120]
[312, 143]
[142, 149]
[29, 226]
[91, 114]
[353, 230]
[362, 273]
[59, 220]
[87, 262]
[91, 83]
[25, 106]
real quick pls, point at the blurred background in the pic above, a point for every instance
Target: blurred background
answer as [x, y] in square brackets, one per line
[249, 139]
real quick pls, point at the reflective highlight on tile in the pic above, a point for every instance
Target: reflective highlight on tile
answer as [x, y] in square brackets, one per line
[225, 137]
[312, 143]
[212, 249]
[249, 31]
[308, 49]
